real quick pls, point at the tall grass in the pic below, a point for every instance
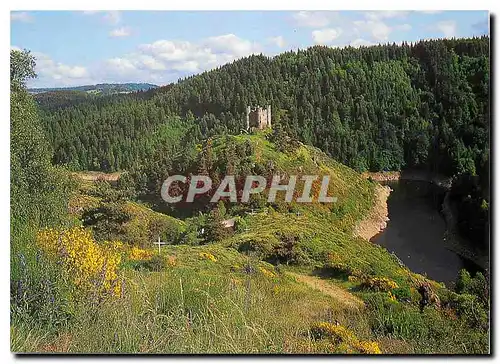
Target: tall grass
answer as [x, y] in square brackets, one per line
[184, 311]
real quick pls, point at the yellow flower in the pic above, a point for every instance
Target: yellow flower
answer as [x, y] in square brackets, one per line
[380, 284]
[267, 273]
[172, 260]
[343, 338]
[276, 290]
[369, 347]
[93, 267]
[139, 254]
[208, 256]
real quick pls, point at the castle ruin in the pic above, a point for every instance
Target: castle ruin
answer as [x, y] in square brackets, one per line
[258, 117]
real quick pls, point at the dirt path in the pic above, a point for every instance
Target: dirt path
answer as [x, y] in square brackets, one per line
[377, 218]
[340, 294]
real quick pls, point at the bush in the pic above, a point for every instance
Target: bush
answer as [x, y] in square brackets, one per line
[463, 281]
[159, 226]
[470, 308]
[287, 251]
[240, 225]
[402, 294]
[106, 220]
[379, 284]
[343, 338]
[477, 286]
[156, 263]
[92, 267]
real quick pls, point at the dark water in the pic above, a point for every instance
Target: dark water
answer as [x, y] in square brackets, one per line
[415, 231]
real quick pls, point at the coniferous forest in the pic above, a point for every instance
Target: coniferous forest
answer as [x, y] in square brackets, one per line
[377, 108]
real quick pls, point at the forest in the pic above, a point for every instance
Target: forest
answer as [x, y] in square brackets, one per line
[377, 108]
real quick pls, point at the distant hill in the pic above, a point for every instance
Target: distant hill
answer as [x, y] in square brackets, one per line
[101, 88]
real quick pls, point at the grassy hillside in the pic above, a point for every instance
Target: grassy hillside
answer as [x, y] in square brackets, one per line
[288, 279]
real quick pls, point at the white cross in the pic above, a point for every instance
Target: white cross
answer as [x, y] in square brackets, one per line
[159, 243]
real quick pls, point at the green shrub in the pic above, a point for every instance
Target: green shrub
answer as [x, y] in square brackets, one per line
[256, 245]
[288, 251]
[463, 281]
[240, 225]
[157, 263]
[402, 294]
[379, 284]
[477, 285]
[470, 308]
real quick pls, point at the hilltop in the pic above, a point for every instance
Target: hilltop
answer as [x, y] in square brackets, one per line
[100, 88]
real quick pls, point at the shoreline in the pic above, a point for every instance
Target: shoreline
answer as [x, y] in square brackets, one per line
[378, 217]
[375, 223]
[456, 243]
[409, 175]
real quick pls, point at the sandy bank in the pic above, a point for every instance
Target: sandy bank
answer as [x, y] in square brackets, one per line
[377, 218]
[409, 175]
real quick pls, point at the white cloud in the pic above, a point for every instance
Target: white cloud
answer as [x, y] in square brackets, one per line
[151, 63]
[120, 32]
[314, 19]
[378, 29]
[279, 41]
[404, 27]
[231, 44]
[121, 64]
[21, 16]
[377, 15]
[447, 27]
[324, 36]
[166, 60]
[361, 42]
[112, 17]
[50, 71]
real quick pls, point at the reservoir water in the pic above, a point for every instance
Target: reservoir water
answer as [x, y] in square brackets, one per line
[415, 231]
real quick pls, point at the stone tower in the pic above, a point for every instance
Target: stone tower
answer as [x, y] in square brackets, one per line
[258, 117]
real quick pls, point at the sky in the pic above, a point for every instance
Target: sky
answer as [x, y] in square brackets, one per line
[87, 47]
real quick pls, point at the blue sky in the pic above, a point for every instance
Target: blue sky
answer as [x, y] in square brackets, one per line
[77, 48]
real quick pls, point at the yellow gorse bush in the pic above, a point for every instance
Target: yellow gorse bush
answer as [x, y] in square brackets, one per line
[380, 284]
[392, 297]
[369, 347]
[267, 273]
[92, 267]
[139, 254]
[208, 256]
[343, 338]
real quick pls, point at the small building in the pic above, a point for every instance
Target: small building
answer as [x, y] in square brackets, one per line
[258, 117]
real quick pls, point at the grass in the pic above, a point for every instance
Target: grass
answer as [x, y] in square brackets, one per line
[202, 306]
[262, 290]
